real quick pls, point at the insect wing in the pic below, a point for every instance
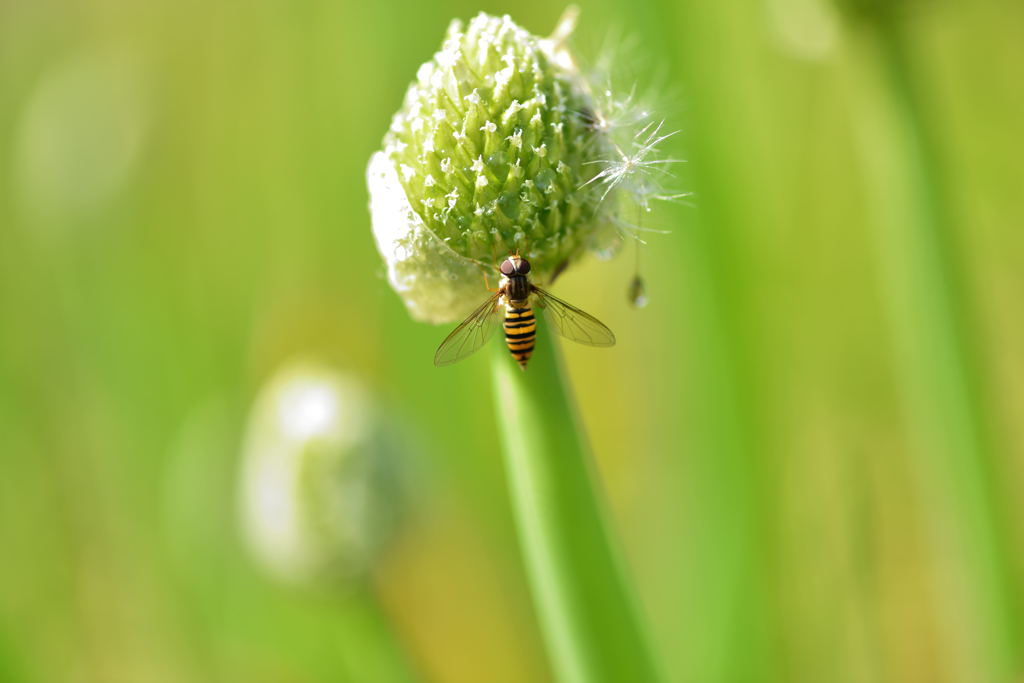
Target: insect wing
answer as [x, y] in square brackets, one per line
[470, 335]
[572, 323]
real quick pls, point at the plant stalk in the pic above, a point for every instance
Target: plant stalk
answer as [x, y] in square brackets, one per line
[586, 610]
[954, 453]
[371, 650]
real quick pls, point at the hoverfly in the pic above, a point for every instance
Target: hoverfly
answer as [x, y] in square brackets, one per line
[514, 296]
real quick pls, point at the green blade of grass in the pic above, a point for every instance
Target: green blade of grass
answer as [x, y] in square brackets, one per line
[979, 610]
[583, 601]
[370, 646]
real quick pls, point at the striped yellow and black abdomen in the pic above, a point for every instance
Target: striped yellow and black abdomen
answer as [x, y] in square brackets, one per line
[520, 331]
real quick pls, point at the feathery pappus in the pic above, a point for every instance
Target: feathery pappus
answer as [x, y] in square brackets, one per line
[515, 296]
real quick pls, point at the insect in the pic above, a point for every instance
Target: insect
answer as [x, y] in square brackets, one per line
[514, 296]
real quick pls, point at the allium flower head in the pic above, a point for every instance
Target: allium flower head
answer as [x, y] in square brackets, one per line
[500, 146]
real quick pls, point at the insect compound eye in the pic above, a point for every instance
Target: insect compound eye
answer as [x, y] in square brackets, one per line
[507, 268]
[524, 266]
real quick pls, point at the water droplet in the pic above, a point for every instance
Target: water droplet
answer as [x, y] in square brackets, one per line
[497, 159]
[637, 293]
[544, 179]
[509, 204]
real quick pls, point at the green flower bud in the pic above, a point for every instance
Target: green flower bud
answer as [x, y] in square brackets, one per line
[499, 146]
[321, 492]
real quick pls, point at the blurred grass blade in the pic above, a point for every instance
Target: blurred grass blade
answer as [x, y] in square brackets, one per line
[731, 569]
[583, 601]
[370, 647]
[953, 454]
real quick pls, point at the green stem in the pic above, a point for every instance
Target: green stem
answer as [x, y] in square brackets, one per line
[586, 611]
[980, 618]
[370, 648]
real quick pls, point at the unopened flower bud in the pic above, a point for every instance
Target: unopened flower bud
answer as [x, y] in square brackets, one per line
[320, 487]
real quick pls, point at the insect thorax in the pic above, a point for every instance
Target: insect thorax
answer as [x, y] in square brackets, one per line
[517, 288]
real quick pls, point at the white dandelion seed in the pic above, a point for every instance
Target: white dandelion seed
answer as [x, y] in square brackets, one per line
[636, 162]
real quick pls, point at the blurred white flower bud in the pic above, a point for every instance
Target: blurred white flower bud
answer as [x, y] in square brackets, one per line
[319, 489]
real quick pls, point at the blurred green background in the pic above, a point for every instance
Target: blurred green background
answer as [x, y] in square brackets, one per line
[811, 440]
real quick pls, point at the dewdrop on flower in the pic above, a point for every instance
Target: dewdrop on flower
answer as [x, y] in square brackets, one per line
[503, 144]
